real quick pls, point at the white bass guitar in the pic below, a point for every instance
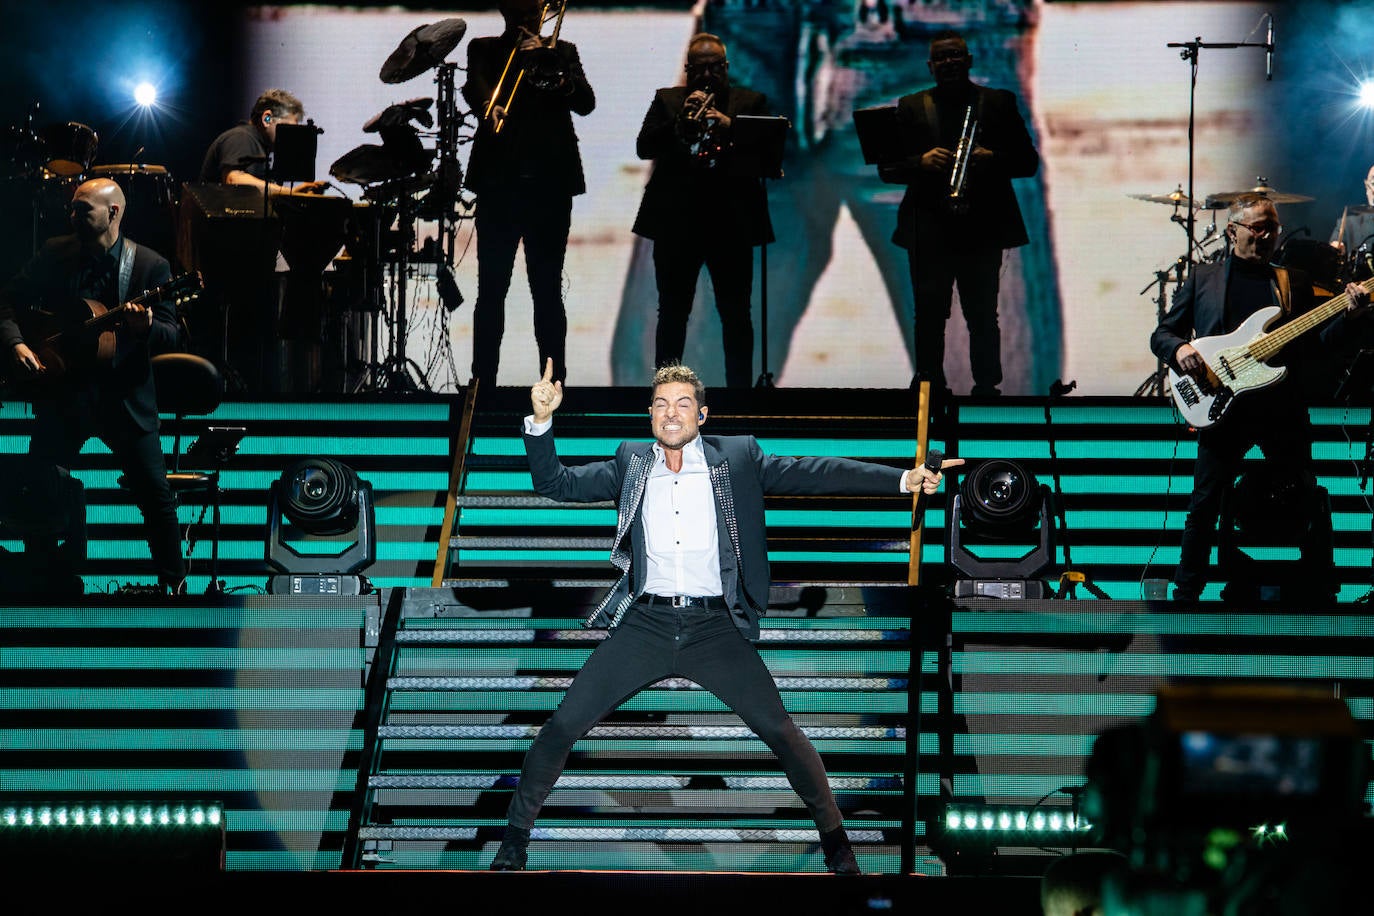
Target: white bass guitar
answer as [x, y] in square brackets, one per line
[1239, 362]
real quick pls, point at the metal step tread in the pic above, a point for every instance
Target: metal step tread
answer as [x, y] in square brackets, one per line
[526, 635]
[609, 782]
[664, 731]
[627, 834]
[540, 682]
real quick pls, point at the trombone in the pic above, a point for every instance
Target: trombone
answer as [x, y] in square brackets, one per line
[558, 8]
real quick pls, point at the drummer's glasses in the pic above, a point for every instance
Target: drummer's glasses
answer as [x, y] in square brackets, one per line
[1262, 229]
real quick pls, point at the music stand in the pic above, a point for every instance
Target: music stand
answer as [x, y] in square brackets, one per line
[758, 144]
[879, 140]
[293, 152]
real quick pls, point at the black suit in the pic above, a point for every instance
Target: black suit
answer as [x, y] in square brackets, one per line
[525, 178]
[944, 247]
[1210, 303]
[711, 646]
[702, 213]
[118, 402]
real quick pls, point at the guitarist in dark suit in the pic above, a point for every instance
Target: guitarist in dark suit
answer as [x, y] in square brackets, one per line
[698, 211]
[691, 544]
[114, 401]
[1215, 300]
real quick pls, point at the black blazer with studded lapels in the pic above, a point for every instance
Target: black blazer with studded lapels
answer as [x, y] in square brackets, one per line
[741, 475]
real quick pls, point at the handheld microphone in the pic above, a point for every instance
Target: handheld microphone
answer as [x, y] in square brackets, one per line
[934, 458]
[1269, 50]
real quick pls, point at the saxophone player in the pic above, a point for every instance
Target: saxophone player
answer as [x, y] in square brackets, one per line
[698, 211]
[959, 212]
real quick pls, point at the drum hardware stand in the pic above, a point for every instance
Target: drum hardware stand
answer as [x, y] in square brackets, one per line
[395, 372]
[1155, 383]
[399, 371]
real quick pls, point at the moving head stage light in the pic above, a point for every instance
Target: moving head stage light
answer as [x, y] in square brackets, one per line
[1000, 503]
[326, 504]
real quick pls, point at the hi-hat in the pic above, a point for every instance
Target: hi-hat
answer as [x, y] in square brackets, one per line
[1176, 198]
[423, 49]
[1226, 198]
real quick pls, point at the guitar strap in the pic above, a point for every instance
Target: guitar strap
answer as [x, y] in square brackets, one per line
[126, 270]
[1283, 285]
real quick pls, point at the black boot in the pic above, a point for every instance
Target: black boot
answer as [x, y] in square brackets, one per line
[511, 855]
[839, 857]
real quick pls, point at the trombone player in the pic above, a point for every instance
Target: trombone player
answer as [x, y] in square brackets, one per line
[525, 170]
[959, 212]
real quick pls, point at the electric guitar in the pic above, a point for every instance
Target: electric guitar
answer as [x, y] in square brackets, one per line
[66, 344]
[1239, 362]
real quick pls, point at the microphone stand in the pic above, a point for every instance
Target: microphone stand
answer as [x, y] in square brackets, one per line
[1189, 53]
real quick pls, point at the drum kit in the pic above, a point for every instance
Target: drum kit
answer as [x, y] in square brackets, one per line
[41, 167]
[404, 180]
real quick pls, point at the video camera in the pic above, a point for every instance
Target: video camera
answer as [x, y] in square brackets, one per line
[1230, 795]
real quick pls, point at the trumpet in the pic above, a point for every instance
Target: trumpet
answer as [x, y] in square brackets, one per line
[699, 132]
[541, 65]
[963, 155]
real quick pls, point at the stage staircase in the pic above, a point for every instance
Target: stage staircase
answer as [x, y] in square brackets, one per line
[673, 780]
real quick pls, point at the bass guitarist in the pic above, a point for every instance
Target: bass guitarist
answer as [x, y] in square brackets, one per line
[1215, 300]
[112, 400]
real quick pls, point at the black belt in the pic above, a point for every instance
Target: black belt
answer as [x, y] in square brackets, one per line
[709, 602]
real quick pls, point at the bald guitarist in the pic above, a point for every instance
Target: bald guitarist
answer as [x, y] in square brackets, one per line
[1217, 299]
[114, 401]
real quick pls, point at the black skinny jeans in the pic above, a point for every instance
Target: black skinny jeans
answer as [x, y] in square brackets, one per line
[59, 433]
[653, 643]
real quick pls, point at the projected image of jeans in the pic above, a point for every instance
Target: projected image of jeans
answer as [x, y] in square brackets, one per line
[818, 62]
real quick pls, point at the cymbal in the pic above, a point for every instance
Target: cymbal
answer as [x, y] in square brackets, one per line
[1176, 198]
[370, 163]
[1226, 198]
[366, 164]
[400, 115]
[423, 49]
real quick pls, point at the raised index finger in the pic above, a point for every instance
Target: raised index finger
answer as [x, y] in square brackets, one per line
[548, 370]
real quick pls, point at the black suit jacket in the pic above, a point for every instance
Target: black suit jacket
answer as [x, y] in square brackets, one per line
[993, 215]
[49, 281]
[686, 201]
[741, 475]
[1317, 357]
[537, 145]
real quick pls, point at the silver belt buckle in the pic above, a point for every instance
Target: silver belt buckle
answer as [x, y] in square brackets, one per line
[680, 601]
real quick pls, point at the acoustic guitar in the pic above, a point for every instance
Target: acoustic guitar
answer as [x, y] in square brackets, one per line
[87, 338]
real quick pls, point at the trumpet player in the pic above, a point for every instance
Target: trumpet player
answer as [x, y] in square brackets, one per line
[525, 170]
[959, 212]
[698, 211]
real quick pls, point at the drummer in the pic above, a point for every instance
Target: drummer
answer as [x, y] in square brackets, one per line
[239, 155]
[1353, 234]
